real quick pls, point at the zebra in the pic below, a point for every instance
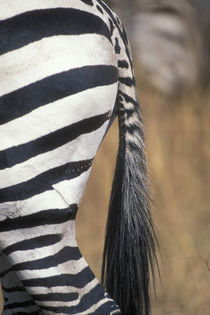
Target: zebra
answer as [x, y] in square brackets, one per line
[167, 42]
[66, 74]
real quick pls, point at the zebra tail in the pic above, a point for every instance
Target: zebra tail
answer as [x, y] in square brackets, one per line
[129, 251]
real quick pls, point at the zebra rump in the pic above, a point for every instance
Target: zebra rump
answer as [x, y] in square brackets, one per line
[63, 68]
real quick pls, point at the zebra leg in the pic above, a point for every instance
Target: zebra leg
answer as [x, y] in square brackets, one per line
[66, 111]
[59, 81]
[48, 263]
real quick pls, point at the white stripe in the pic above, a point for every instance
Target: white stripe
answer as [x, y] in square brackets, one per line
[71, 267]
[129, 91]
[49, 199]
[45, 251]
[52, 55]
[94, 307]
[64, 289]
[11, 8]
[41, 163]
[90, 310]
[68, 239]
[72, 190]
[57, 115]
[67, 227]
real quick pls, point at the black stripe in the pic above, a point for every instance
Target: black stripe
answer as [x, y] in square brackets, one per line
[130, 112]
[117, 46]
[51, 141]
[44, 181]
[66, 254]
[111, 27]
[89, 2]
[99, 9]
[78, 280]
[18, 305]
[14, 289]
[133, 147]
[4, 273]
[33, 243]
[122, 33]
[123, 64]
[132, 129]
[128, 98]
[87, 300]
[125, 38]
[55, 87]
[41, 218]
[62, 297]
[32, 26]
[127, 81]
[107, 308]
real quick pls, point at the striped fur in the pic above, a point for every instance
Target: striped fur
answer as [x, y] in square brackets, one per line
[64, 64]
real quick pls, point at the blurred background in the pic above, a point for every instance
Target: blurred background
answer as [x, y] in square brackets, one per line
[171, 49]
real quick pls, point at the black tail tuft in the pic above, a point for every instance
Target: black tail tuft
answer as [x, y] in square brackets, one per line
[129, 251]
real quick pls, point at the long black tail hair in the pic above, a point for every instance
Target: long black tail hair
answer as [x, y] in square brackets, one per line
[130, 241]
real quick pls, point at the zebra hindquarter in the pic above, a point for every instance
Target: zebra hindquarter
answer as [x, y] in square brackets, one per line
[59, 84]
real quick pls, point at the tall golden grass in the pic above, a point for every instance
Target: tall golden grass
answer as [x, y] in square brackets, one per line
[178, 149]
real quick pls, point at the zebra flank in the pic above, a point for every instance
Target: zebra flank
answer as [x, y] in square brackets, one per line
[66, 72]
[67, 24]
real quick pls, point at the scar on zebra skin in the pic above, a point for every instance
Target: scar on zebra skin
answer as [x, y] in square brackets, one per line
[66, 74]
[10, 212]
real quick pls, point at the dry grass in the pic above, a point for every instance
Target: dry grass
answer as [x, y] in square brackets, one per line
[178, 138]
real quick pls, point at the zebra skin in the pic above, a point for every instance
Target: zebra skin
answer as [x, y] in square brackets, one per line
[66, 73]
